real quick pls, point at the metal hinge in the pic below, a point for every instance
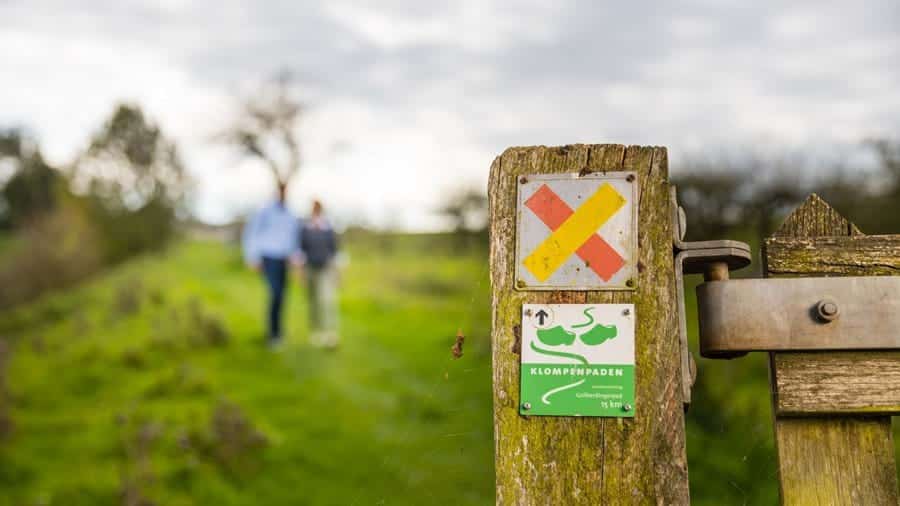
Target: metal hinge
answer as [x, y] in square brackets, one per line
[713, 259]
[776, 314]
[799, 314]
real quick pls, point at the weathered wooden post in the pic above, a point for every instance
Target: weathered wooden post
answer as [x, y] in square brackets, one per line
[630, 454]
[832, 409]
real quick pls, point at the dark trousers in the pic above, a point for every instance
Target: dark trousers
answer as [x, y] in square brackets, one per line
[275, 271]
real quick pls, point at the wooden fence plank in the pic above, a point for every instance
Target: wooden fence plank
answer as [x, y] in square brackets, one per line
[827, 460]
[838, 383]
[860, 255]
[836, 461]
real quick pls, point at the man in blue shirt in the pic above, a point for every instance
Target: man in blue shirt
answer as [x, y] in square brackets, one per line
[272, 238]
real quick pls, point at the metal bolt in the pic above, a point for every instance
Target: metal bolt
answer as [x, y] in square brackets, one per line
[626, 311]
[526, 406]
[520, 284]
[716, 271]
[523, 179]
[630, 178]
[827, 310]
[527, 312]
[630, 283]
[626, 407]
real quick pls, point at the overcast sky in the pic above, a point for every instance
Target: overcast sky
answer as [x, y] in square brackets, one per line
[412, 98]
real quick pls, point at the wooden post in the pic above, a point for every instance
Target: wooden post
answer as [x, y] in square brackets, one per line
[572, 460]
[832, 423]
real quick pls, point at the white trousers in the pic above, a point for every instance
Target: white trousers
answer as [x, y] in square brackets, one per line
[322, 290]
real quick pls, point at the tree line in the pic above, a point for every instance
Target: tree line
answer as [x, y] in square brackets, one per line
[749, 193]
[120, 196]
[720, 196]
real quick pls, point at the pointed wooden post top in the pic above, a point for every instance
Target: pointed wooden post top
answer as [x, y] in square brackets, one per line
[815, 218]
[833, 447]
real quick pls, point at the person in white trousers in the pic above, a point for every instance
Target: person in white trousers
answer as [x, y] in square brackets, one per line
[319, 245]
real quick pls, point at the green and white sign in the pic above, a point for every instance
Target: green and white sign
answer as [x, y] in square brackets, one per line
[577, 360]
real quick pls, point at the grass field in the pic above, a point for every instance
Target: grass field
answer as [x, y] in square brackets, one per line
[151, 383]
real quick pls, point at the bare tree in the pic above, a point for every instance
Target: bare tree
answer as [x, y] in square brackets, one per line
[265, 129]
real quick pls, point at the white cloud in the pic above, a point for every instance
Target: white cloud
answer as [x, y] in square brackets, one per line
[426, 94]
[475, 25]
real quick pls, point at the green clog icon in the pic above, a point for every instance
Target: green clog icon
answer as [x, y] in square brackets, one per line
[595, 335]
[556, 336]
[598, 334]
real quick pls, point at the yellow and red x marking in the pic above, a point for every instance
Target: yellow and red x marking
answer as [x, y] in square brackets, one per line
[574, 232]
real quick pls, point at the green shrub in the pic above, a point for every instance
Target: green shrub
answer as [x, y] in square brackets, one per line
[54, 251]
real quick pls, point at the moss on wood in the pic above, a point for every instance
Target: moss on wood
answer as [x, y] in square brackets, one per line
[568, 460]
[838, 460]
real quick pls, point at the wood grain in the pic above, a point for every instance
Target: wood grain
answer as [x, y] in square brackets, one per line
[859, 255]
[569, 460]
[836, 462]
[815, 218]
[839, 460]
[864, 383]
[846, 382]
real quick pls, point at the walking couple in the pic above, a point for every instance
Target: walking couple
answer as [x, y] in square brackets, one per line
[274, 240]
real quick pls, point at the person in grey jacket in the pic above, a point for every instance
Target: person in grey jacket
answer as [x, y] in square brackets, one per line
[319, 245]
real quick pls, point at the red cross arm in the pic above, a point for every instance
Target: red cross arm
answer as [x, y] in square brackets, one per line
[596, 253]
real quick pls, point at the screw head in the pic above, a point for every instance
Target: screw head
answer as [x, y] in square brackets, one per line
[630, 178]
[827, 310]
[626, 312]
[626, 407]
[630, 283]
[520, 284]
[526, 406]
[523, 179]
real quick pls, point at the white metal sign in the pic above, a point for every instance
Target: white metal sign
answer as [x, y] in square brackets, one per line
[577, 360]
[577, 232]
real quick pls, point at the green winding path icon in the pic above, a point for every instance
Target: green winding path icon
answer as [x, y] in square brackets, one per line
[559, 354]
[559, 336]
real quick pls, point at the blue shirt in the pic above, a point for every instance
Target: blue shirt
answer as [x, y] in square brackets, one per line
[272, 232]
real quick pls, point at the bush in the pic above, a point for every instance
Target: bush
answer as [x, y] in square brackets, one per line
[118, 199]
[231, 442]
[123, 233]
[54, 251]
[205, 329]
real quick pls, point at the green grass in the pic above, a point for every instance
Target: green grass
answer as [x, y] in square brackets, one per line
[7, 243]
[152, 380]
[112, 387]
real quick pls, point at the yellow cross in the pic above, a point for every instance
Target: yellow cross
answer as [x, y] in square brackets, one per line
[578, 228]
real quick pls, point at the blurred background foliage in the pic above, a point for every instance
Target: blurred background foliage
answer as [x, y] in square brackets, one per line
[118, 198]
[731, 450]
[132, 371]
